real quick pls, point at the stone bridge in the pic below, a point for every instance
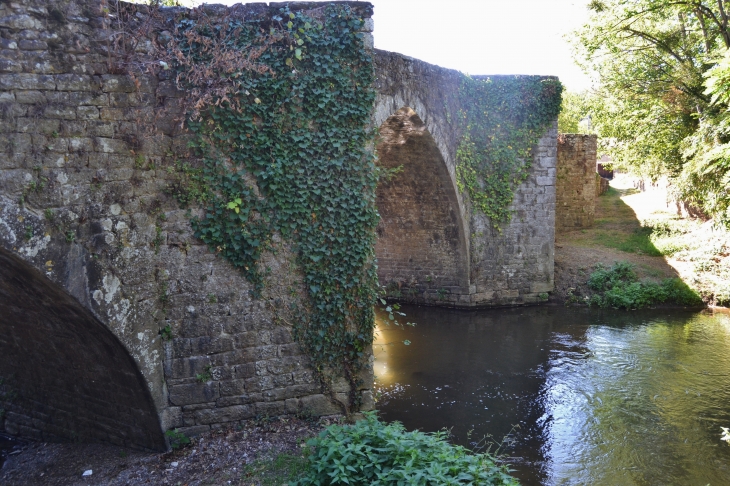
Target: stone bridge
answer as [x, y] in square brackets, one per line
[117, 324]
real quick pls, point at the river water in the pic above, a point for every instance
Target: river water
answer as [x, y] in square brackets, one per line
[570, 396]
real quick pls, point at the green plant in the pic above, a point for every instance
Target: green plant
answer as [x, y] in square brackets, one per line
[206, 375]
[375, 453]
[28, 232]
[212, 298]
[157, 241]
[618, 287]
[177, 439]
[543, 296]
[163, 297]
[70, 236]
[166, 333]
[287, 152]
[502, 120]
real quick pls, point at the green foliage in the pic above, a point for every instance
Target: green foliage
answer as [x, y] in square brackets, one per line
[661, 107]
[618, 287]
[573, 109]
[206, 375]
[375, 453]
[503, 119]
[286, 152]
[177, 439]
[166, 333]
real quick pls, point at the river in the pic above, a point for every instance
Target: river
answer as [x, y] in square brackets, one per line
[568, 396]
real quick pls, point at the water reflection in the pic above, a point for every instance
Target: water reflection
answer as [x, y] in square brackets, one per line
[583, 397]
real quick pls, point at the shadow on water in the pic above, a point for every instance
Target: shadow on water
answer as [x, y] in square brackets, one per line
[573, 396]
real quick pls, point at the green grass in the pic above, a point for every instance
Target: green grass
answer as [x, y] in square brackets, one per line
[281, 469]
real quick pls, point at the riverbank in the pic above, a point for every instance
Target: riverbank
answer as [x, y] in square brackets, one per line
[254, 453]
[639, 227]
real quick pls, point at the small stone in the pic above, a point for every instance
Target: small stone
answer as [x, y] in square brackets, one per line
[88, 472]
[173, 464]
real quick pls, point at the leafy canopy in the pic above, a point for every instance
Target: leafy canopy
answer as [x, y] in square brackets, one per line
[659, 108]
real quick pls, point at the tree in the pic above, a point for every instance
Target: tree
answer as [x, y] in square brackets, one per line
[574, 112]
[659, 109]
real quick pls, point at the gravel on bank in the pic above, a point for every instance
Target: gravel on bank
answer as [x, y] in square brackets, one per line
[221, 457]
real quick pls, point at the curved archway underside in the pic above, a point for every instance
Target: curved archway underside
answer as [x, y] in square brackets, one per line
[421, 247]
[66, 376]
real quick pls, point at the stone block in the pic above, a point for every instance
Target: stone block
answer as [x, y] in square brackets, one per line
[232, 387]
[20, 22]
[27, 81]
[114, 83]
[194, 430]
[87, 113]
[222, 415]
[194, 393]
[271, 409]
[319, 405]
[110, 145]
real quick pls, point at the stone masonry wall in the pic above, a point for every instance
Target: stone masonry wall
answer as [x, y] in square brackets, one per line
[508, 268]
[576, 182]
[85, 172]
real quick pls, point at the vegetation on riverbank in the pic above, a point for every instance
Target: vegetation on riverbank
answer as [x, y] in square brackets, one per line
[619, 287]
[377, 453]
[639, 229]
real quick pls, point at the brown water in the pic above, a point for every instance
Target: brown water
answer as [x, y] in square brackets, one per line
[574, 396]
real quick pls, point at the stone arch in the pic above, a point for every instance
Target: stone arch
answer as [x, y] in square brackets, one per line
[71, 377]
[422, 247]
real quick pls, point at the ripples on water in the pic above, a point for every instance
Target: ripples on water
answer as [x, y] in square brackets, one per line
[572, 396]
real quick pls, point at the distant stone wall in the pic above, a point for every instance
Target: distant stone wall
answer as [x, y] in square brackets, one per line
[602, 185]
[84, 202]
[575, 188]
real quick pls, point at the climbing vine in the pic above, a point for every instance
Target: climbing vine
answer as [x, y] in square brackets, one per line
[283, 147]
[503, 119]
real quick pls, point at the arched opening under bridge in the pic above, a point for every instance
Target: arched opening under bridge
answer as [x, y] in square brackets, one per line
[65, 375]
[421, 247]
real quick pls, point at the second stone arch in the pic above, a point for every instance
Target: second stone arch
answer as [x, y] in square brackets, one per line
[421, 248]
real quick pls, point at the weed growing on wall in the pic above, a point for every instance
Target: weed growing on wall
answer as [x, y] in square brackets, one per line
[283, 144]
[503, 119]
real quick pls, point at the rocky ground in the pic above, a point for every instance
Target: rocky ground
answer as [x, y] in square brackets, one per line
[255, 453]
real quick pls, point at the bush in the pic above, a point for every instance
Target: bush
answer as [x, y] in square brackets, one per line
[371, 452]
[619, 287]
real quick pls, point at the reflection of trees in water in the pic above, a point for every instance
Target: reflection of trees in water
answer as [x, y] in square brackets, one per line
[644, 406]
[601, 397]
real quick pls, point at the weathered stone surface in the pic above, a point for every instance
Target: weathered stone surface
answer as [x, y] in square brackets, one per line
[85, 203]
[576, 182]
[489, 268]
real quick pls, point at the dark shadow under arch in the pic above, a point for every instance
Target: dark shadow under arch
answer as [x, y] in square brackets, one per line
[421, 247]
[71, 377]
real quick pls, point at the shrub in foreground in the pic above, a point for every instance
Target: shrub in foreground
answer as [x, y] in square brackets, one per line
[619, 287]
[371, 452]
